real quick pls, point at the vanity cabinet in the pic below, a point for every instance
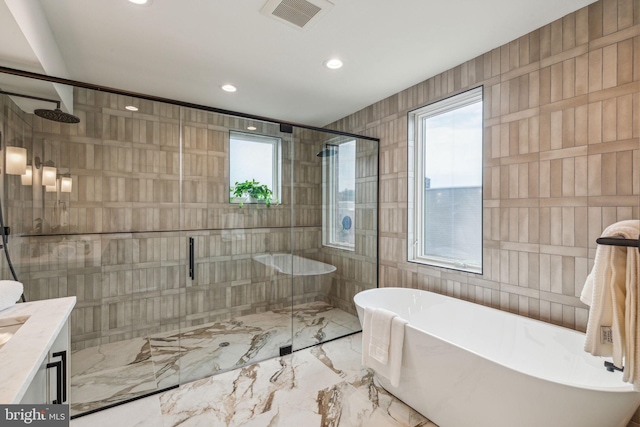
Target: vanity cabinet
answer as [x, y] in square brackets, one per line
[52, 380]
[35, 366]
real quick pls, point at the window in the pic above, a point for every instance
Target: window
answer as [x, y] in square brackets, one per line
[255, 157]
[339, 194]
[445, 179]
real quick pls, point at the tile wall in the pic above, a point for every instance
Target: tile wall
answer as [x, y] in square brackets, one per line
[561, 161]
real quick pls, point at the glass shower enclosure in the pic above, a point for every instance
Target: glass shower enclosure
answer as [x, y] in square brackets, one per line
[176, 277]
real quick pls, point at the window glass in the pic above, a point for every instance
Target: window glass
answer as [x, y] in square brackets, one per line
[340, 194]
[446, 204]
[254, 157]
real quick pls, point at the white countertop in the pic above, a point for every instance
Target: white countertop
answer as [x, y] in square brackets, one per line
[23, 354]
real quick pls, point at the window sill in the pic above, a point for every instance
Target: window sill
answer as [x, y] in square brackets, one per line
[448, 265]
[341, 247]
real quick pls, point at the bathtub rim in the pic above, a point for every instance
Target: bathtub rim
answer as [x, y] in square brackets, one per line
[622, 388]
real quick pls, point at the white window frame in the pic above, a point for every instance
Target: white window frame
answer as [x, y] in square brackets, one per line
[276, 161]
[329, 196]
[416, 184]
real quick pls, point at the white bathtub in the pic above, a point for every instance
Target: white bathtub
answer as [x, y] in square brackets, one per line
[466, 365]
[294, 264]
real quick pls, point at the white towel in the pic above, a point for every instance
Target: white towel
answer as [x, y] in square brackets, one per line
[10, 292]
[611, 291]
[392, 368]
[380, 334]
[632, 348]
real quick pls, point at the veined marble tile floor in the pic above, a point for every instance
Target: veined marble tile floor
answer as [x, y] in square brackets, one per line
[322, 386]
[112, 373]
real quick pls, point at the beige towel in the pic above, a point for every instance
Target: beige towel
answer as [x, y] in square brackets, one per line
[393, 368]
[611, 291]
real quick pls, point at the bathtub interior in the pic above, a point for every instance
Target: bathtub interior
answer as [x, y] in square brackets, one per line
[525, 345]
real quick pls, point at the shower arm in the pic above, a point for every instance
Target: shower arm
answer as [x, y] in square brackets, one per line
[2, 92]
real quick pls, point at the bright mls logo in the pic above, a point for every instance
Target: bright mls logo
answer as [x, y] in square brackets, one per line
[34, 415]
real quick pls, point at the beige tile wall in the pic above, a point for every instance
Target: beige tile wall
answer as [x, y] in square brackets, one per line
[561, 161]
[16, 130]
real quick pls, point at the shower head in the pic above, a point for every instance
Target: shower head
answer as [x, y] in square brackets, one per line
[327, 152]
[56, 115]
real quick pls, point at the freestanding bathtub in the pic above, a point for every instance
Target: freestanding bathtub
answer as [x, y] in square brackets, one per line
[467, 365]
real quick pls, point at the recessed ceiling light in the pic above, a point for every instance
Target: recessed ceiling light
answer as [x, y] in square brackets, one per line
[251, 128]
[140, 2]
[131, 108]
[333, 63]
[229, 88]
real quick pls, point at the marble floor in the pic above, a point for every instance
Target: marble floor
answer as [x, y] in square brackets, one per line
[322, 386]
[112, 373]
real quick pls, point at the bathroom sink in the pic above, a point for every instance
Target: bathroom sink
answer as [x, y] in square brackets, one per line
[8, 328]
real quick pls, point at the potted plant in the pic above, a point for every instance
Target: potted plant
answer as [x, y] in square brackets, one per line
[253, 191]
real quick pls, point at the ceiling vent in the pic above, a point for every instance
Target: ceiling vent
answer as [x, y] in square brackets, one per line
[301, 14]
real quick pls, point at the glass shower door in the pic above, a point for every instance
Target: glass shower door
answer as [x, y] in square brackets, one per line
[335, 233]
[234, 292]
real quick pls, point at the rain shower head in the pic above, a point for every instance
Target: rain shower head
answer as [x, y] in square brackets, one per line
[327, 152]
[56, 115]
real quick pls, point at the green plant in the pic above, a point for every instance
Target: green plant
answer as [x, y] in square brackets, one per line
[253, 189]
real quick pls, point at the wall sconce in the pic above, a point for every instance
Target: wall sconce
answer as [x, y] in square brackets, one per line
[65, 184]
[27, 177]
[52, 188]
[49, 175]
[16, 160]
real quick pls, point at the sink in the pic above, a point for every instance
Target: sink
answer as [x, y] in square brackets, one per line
[9, 326]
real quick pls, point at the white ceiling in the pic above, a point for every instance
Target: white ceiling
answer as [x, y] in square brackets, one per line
[186, 49]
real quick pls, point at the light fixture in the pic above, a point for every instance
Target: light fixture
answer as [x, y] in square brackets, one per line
[65, 184]
[131, 108]
[49, 176]
[16, 160]
[333, 63]
[52, 188]
[251, 128]
[140, 2]
[229, 88]
[27, 177]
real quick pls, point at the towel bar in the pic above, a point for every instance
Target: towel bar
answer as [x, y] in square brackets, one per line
[613, 241]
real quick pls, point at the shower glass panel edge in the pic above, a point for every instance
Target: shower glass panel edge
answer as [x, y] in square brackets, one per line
[335, 233]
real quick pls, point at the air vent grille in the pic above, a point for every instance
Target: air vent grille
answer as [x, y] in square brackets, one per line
[297, 13]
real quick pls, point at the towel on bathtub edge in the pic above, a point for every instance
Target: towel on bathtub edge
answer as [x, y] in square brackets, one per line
[380, 333]
[390, 370]
[611, 292]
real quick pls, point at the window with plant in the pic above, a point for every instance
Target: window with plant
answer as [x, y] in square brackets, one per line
[254, 168]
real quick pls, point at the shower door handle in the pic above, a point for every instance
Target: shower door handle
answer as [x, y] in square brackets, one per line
[192, 263]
